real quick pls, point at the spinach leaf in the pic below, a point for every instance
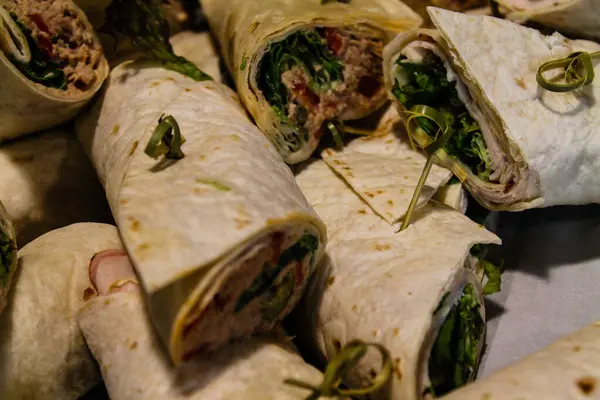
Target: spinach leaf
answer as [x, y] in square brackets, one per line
[40, 69]
[306, 244]
[429, 85]
[453, 360]
[494, 276]
[7, 254]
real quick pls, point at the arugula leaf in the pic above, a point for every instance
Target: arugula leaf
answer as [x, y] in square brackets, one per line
[494, 276]
[304, 49]
[428, 85]
[454, 357]
[7, 254]
[40, 69]
[144, 22]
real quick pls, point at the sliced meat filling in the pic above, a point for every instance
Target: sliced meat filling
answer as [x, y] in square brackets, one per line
[65, 54]
[260, 288]
[326, 74]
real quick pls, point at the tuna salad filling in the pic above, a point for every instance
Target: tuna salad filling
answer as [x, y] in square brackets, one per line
[454, 358]
[315, 78]
[50, 43]
[423, 76]
[262, 286]
[7, 256]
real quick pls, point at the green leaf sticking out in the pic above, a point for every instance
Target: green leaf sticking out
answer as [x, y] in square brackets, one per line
[494, 277]
[340, 365]
[144, 22]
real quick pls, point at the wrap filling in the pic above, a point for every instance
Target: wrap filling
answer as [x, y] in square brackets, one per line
[454, 358]
[318, 76]
[262, 285]
[50, 43]
[7, 254]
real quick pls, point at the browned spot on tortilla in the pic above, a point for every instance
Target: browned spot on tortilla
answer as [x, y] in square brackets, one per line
[587, 385]
[389, 141]
[374, 333]
[577, 349]
[337, 345]
[372, 373]
[254, 25]
[154, 84]
[382, 247]
[142, 247]
[388, 274]
[200, 190]
[521, 83]
[187, 89]
[171, 79]
[330, 280]
[380, 191]
[337, 162]
[397, 369]
[217, 147]
[123, 201]
[107, 301]
[349, 174]
[22, 158]
[487, 396]
[115, 129]
[390, 202]
[105, 368]
[242, 223]
[135, 224]
[135, 145]
[355, 308]
[410, 293]
[369, 194]
[202, 157]
[396, 331]
[402, 191]
[328, 152]
[362, 211]
[133, 345]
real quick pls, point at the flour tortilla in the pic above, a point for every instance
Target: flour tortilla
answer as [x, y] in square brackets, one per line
[548, 139]
[119, 334]
[188, 225]
[48, 182]
[579, 17]
[27, 107]
[420, 6]
[42, 352]
[567, 369]
[379, 285]
[244, 30]
[7, 235]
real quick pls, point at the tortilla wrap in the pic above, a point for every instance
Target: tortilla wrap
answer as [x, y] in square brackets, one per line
[223, 239]
[119, 334]
[403, 285]
[27, 106]
[420, 6]
[578, 17]
[567, 369]
[48, 182]
[8, 255]
[383, 169]
[349, 84]
[540, 148]
[42, 352]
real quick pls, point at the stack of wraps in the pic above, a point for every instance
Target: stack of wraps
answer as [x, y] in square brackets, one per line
[567, 369]
[223, 240]
[516, 145]
[51, 64]
[580, 17]
[417, 292]
[43, 355]
[302, 66]
[133, 364]
[8, 255]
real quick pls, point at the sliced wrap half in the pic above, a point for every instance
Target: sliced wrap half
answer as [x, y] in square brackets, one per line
[119, 334]
[51, 64]
[8, 255]
[48, 183]
[579, 17]
[516, 146]
[567, 369]
[42, 352]
[413, 291]
[302, 66]
[223, 240]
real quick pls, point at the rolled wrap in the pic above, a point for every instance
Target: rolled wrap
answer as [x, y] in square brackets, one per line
[567, 369]
[8, 255]
[119, 334]
[223, 240]
[579, 17]
[42, 352]
[246, 30]
[383, 286]
[48, 183]
[25, 105]
[543, 146]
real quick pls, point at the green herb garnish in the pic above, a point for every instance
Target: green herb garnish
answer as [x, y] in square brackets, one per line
[454, 357]
[306, 50]
[428, 85]
[7, 256]
[307, 244]
[40, 69]
[244, 62]
[578, 72]
[338, 368]
[166, 139]
[144, 22]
